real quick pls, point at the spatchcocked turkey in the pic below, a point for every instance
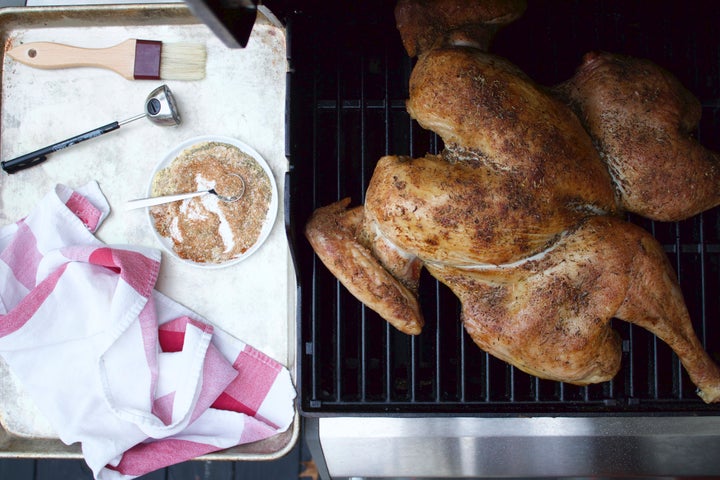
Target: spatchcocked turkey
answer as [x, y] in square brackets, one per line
[519, 215]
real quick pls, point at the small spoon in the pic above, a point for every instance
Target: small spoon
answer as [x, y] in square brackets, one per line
[151, 201]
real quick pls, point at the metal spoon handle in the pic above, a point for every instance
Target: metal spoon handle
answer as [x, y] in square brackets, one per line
[149, 202]
[39, 156]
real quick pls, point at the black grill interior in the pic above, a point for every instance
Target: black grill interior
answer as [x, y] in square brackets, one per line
[347, 92]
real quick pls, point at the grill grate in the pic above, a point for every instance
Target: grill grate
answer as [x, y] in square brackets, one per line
[347, 103]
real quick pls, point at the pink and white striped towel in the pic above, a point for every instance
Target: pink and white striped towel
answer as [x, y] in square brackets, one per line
[139, 380]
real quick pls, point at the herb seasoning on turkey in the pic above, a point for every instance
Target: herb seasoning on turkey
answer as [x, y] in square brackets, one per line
[205, 229]
[519, 214]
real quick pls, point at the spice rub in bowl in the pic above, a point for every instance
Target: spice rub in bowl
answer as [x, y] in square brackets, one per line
[207, 230]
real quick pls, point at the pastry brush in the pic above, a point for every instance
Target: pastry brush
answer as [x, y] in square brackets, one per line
[133, 59]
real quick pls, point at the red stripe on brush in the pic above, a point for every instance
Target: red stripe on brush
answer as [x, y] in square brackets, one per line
[147, 60]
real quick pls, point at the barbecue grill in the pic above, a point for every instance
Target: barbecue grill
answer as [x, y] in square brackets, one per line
[378, 403]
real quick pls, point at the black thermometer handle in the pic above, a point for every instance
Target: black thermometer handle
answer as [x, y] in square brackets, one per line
[39, 156]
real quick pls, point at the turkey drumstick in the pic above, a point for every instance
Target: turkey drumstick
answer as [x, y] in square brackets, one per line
[550, 314]
[425, 24]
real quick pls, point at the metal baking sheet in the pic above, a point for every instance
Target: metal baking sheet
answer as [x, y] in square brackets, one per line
[242, 96]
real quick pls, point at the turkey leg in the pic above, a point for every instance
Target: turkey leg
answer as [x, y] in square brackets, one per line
[550, 314]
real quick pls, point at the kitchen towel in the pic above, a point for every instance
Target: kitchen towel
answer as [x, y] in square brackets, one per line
[139, 380]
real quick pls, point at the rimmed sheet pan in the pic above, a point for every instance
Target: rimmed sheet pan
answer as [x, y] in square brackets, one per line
[242, 96]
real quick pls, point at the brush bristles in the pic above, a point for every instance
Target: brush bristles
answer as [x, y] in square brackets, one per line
[183, 61]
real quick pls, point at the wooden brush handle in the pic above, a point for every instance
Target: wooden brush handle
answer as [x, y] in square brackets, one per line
[119, 58]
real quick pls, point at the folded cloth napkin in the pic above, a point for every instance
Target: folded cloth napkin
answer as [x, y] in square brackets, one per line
[139, 380]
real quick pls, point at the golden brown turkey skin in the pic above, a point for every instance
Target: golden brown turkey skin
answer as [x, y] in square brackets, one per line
[466, 212]
[641, 119]
[549, 315]
[334, 233]
[425, 23]
[518, 168]
[487, 105]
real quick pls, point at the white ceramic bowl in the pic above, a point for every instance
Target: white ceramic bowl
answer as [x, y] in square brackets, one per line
[167, 243]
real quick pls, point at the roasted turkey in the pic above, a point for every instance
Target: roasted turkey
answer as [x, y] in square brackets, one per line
[549, 314]
[520, 214]
[424, 24]
[642, 119]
